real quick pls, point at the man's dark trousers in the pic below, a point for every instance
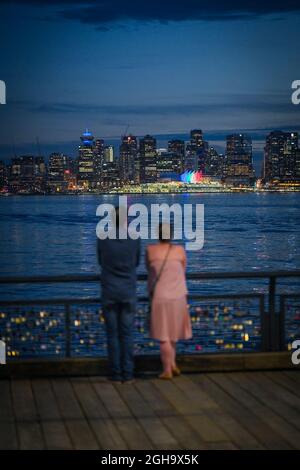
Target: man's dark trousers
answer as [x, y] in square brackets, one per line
[118, 260]
[119, 320]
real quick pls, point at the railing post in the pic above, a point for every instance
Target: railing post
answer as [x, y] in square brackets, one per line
[67, 330]
[265, 325]
[273, 319]
[282, 324]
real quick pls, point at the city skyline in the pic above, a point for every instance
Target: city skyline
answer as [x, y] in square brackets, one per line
[141, 162]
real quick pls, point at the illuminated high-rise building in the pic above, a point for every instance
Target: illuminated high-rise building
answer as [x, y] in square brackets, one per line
[214, 163]
[177, 147]
[86, 160]
[281, 157]
[195, 152]
[108, 154]
[148, 159]
[127, 159]
[60, 168]
[239, 163]
[98, 160]
[168, 166]
[110, 175]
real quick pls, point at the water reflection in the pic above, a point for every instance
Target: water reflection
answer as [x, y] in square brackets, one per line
[56, 235]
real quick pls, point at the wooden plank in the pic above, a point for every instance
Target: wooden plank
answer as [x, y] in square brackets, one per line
[196, 394]
[45, 400]
[184, 433]
[267, 395]
[268, 438]
[232, 427]
[222, 446]
[89, 400]
[54, 429]
[26, 415]
[276, 422]
[202, 424]
[133, 434]
[30, 436]
[8, 434]
[104, 428]
[156, 431]
[280, 391]
[156, 400]
[131, 431]
[23, 401]
[81, 435]
[293, 374]
[113, 403]
[108, 434]
[282, 379]
[176, 424]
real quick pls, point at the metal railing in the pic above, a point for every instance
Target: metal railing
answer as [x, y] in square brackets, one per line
[218, 321]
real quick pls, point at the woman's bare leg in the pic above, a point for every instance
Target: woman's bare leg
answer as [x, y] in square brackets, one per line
[166, 354]
[173, 345]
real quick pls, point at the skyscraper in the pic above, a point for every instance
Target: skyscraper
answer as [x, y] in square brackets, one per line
[27, 174]
[239, 164]
[59, 169]
[281, 157]
[108, 154]
[169, 166]
[214, 164]
[177, 147]
[128, 157]
[86, 160]
[195, 152]
[148, 159]
[98, 160]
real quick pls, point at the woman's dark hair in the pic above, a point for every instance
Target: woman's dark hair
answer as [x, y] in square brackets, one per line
[165, 232]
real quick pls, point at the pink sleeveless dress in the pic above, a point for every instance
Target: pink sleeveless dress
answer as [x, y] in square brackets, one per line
[170, 319]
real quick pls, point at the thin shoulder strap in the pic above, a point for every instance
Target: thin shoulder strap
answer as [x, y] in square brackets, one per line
[151, 293]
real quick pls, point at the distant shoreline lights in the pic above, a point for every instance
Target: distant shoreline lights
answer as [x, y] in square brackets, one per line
[191, 177]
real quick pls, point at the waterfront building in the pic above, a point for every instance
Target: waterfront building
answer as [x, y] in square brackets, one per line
[168, 166]
[239, 164]
[86, 176]
[128, 159]
[110, 176]
[60, 170]
[108, 154]
[177, 147]
[214, 163]
[98, 160]
[148, 159]
[27, 174]
[195, 154]
[281, 157]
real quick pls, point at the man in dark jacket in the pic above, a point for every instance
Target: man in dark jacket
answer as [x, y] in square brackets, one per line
[119, 259]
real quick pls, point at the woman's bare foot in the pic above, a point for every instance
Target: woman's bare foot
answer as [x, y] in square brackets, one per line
[176, 371]
[166, 376]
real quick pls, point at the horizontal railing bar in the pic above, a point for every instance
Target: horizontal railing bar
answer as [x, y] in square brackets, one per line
[143, 277]
[291, 295]
[139, 299]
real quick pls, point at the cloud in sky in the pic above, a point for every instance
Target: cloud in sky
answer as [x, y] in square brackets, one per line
[104, 13]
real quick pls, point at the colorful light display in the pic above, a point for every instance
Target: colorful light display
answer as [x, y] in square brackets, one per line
[191, 177]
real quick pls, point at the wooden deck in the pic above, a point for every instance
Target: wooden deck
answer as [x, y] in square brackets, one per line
[238, 410]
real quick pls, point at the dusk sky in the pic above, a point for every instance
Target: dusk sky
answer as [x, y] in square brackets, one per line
[162, 67]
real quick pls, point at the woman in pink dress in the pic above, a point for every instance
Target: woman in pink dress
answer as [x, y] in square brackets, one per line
[170, 319]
